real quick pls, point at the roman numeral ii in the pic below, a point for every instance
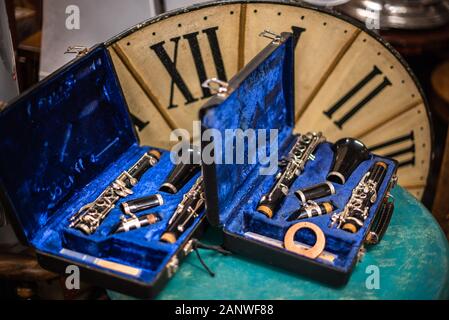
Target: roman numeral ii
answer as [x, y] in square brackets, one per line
[365, 100]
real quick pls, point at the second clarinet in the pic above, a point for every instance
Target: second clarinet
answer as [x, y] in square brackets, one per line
[187, 211]
[363, 197]
[292, 167]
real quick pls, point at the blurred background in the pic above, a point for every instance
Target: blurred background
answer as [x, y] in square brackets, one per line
[31, 48]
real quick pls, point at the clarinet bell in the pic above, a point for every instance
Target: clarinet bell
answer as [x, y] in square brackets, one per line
[348, 155]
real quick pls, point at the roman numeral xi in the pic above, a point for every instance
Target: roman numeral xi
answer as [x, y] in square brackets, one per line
[194, 45]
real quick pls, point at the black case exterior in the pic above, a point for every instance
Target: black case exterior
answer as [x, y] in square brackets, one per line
[257, 250]
[98, 276]
[121, 284]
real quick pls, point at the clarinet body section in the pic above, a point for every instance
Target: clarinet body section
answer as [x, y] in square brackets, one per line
[292, 167]
[355, 213]
[185, 214]
[90, 217]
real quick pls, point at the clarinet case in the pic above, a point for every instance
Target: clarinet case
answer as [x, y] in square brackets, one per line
[63, 142]
[261, 97]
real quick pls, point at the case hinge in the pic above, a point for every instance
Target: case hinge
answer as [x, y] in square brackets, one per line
[78, 50]
[361, 254]
[188, 248]
[218, 87]
[173, 266]
[274, 37]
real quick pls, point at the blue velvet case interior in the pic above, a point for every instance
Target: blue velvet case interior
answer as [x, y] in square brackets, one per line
[262, 97]
[61, 145]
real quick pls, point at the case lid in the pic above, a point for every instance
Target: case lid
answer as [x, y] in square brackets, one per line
[59, 136]
[259, 97]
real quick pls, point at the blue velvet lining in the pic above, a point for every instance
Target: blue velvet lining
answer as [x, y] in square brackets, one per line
[259, 102]
[240, 187]
[61, 145]
[139, 248]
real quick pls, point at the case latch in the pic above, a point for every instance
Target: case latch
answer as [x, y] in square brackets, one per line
[217, 86]
[173, 266]
[188, 248]
[361, 254]
[78, 50]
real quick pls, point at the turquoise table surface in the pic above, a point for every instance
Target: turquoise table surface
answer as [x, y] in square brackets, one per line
[412, 260]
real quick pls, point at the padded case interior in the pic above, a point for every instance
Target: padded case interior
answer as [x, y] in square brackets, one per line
[262, 98]
[61, 145]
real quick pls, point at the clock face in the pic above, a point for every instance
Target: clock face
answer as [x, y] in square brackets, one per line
[348, 83]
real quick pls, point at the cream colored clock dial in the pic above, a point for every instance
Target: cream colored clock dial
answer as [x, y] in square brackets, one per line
[348, 82]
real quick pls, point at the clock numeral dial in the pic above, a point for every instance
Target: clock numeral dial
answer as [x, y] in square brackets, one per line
[172, 58]
[364, 90]
[347, 83]
[405, 138]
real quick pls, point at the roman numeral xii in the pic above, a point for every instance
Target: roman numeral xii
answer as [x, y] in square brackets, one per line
[170, 64]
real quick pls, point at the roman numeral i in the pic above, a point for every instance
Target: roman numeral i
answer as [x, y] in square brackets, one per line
[194, 45]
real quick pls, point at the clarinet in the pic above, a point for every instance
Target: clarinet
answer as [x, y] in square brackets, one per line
[187, 211]
[89, 217]
[363, 197]
[293, 166]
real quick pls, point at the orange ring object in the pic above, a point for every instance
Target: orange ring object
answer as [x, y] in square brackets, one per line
[312, 253]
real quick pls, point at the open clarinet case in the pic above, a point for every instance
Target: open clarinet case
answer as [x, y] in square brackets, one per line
[62, 144]
[261, 97]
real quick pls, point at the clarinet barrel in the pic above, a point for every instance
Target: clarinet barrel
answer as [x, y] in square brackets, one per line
[142, 204]
[312, 209]
[318, 191]
[135, 223]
